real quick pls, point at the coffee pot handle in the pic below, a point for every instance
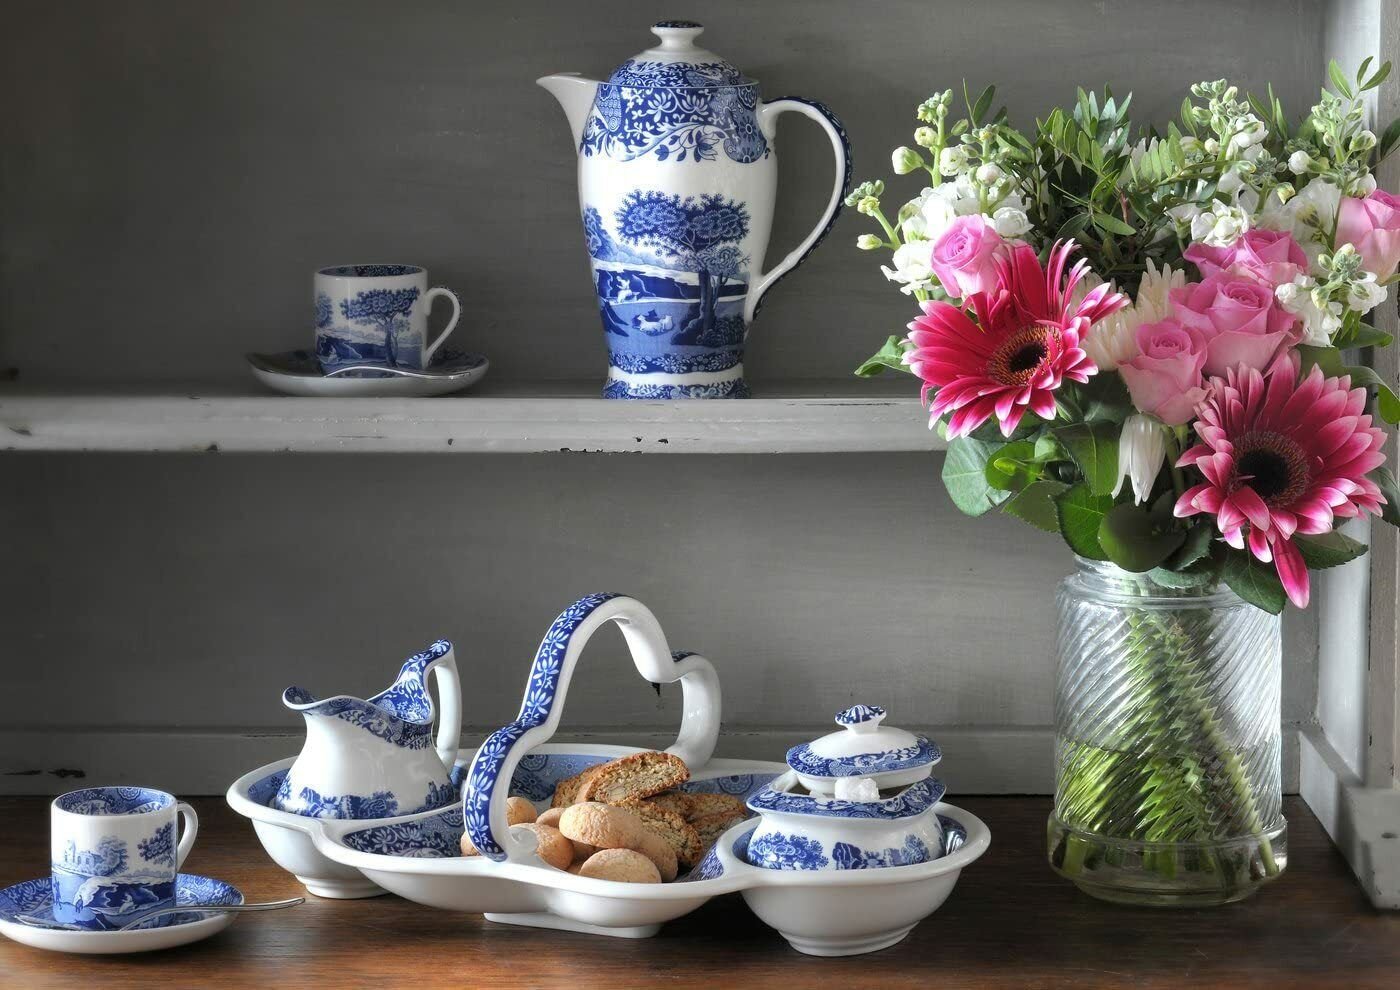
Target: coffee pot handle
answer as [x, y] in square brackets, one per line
[841, 147]
[488, 780]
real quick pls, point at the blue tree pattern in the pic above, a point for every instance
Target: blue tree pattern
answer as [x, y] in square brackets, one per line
[385, 307]
[323, 311]
[697, 234]
[595, 235]
[852, 857]
[159, 848]
[776, 851]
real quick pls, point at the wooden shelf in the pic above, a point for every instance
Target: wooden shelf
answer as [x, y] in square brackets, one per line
[1010, 922]
[794, 417]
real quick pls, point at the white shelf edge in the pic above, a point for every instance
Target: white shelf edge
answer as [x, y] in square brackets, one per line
[173, 419]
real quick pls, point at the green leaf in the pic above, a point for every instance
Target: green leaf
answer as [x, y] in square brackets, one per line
[1195, 548]
[1379, 77]
[1339, 80]
[1328, 549]
[983, 104]
[1365, 336]
[1384, 480]
[1137, 540]
[889, 356]
[1388, 404]
[1080, 514]
[1094, 449]
[1036, 504]
[1108, 222]
[1388, 138]
[1329, 359]
[965, 476]
[1193, 578]
[1008, 469]
[1104, 398]
[1256, 583]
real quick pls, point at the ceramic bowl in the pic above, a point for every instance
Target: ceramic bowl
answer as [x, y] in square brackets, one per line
[853, 911]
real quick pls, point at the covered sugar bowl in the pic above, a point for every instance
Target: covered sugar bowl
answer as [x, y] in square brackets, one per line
[860, 798]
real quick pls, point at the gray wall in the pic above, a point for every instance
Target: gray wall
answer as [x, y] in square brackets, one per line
[171, 173]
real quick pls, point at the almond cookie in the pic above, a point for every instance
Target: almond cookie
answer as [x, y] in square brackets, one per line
[705, 805]
[519, 811]
[551, 845]
[671, 827]
[637, 776]
[609, 827]
[566, 791]
[550, 817]
[711, 827]
[676, 802]
[622, 865]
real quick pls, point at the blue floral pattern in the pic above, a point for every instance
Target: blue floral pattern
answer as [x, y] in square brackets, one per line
[857, 714]
[924, 752]
[35, 897]
[435, 837]
[534, 710]
[675, 111]
[776, 851]
[913, 800]
[380, 804]
[113, 801]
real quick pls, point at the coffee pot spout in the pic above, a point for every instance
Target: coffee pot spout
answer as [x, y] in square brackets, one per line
[575, 94]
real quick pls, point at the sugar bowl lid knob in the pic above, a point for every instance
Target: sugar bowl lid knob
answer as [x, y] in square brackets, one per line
[677, 35]
[861, 719]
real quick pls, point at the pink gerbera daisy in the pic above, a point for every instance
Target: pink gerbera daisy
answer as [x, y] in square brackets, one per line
[1281, 457]
[1023, 344]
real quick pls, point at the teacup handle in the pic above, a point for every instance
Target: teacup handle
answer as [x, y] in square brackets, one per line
[430, 349]
[484, 803]
[187, 834]
[768, 114]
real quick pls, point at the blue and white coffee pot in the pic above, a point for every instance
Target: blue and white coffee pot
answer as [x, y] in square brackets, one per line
[677, 180]
[378, 757]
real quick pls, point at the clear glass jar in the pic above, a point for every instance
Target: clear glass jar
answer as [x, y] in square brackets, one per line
[1167, 741]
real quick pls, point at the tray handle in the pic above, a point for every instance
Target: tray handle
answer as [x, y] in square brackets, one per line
[484, 803]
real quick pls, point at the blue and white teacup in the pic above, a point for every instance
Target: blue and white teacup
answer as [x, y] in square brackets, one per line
[114, 854]
[377, 314]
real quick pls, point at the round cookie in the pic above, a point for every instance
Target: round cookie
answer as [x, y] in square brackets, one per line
[609, 827]
[519, 811]
[551, 845]
[621, 865]
[550, 817]
[468, 848]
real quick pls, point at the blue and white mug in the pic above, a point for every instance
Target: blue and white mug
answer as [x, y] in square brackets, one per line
[114, 854]
[377, 314]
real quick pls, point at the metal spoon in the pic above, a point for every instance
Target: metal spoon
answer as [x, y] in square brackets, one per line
[37, 922]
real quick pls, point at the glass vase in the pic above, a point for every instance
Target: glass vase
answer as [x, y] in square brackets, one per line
[1167, 741]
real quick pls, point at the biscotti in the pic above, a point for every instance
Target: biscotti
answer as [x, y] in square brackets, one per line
[637, 776]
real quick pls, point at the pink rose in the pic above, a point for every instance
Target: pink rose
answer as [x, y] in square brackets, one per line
[965, 257]
[1269, 256]
[1164, 379]
[1373, 226]
[1239, 319]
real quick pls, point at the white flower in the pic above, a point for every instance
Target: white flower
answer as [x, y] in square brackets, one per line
[911, 267]
[1142, 448]
[1190, 144]
[1140, 150]
[905, 160]
[1219, 226]
[1299, 162]
[1212, 146]
[989, 174]
[1010, 222]
[953, 160]
[1113, 340]
[1319, 322]
[1312, 215]
[868, 242]
[1249, 131]
[1366, 185]
[1185, 214]
[1364, 294]
[1230, 182]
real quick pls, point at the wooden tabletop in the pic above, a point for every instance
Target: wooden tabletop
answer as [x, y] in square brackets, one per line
[1010, 923]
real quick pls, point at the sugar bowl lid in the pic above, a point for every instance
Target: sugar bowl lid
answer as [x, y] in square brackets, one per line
[863, 747]
[677, 62]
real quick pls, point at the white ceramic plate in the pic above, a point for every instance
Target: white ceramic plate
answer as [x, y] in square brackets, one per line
[34, 897]
[299, 373]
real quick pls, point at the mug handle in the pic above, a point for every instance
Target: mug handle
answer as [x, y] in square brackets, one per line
[187, 835]
[488, 780]
[841, 148]
[430, 349]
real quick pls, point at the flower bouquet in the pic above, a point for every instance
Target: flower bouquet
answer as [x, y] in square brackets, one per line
[1151, 343]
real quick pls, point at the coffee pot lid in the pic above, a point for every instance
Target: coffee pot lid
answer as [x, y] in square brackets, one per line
[863, 747]
[677, 62]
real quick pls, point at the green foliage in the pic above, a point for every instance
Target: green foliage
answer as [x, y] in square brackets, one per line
[891, 355]
[965, 476]
[1094, 449]
[1253, 581]
[1138, 539]
[1036, 504]
[1385, 480]
[1328, 549]
[1080, 514]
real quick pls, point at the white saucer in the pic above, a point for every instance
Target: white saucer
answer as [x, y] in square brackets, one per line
[35, 897]
[299, 373]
